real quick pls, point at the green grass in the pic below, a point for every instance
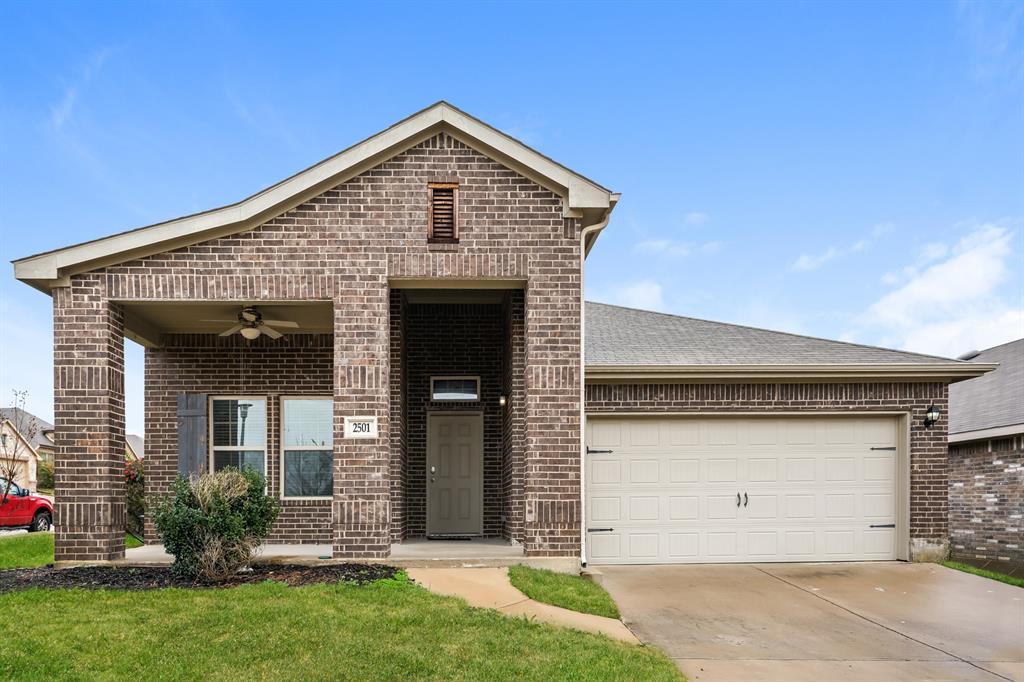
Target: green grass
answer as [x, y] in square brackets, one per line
[985, 573]
[28, 550]
[391, 630]
[560, 589]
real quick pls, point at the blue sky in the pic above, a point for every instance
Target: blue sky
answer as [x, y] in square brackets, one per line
[846, 170]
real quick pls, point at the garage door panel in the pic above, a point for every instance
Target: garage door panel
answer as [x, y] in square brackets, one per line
[814, 486]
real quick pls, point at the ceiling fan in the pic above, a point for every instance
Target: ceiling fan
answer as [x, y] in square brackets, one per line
[251, 324]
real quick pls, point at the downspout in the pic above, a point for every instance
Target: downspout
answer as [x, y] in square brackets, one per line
[584, 234]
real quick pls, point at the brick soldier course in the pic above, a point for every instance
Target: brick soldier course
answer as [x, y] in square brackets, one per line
[349, 238]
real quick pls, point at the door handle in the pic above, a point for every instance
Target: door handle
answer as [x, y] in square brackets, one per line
[745, 500]
[737, 499]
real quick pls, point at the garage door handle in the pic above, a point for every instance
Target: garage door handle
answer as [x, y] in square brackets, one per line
[745, 500]
[600, 530]
[737, 499]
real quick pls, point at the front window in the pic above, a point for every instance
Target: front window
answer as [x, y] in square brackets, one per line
[455, 388]
[307, 441]
[239, 433]
[15, 491]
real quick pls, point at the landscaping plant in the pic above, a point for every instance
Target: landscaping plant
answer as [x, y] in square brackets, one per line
[135, 489]
[214, 524]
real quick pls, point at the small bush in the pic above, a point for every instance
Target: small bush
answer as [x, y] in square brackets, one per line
[135, 487]
[213, 525]
[44, 475]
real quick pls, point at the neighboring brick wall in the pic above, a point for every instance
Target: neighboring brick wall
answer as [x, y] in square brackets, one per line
[88, 406]
[448, 340]
[928, 460]
[343, 246]
[986, 501]
[296, 365]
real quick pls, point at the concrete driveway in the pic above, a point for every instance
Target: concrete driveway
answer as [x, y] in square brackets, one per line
[866, 621]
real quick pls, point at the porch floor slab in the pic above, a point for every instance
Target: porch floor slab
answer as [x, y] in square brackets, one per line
[477, 548]
[155, 554]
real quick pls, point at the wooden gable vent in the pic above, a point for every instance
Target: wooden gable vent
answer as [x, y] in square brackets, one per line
[442, 219]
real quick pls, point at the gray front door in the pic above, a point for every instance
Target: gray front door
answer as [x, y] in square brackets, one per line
[455, 449]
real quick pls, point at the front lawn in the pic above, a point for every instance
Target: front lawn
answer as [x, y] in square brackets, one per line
[29, 550]
[985, 573]
[388, 630]
[560, 589]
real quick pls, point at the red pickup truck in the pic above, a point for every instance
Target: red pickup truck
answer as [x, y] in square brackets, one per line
[21, 509]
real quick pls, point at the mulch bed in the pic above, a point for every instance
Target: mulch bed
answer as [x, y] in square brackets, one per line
[157, 577]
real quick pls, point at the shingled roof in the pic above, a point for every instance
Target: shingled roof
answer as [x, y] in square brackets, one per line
[618, 338]
[993, 401]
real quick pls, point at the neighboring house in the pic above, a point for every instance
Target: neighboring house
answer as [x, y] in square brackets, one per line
[20, 448]
[134, 447]
[394, 336]
[986, 460]
[42, 439]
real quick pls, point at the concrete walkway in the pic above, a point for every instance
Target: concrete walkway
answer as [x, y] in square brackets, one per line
[490, 588]
[851, 621]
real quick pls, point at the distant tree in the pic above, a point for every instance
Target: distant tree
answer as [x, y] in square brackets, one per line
[13, 450]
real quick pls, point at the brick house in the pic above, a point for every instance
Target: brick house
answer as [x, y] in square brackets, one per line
[394, 336]
[986, 462]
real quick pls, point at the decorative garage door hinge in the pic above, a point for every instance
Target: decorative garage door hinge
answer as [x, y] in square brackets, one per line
[591, 451]
[882, 525]
[600, 530]
[891, 447]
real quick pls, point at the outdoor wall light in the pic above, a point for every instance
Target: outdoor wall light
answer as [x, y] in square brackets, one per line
[931, 415]
[250, 333]
[502, 400]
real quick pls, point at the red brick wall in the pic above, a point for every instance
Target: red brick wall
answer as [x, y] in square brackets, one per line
[928, 461]
[88, 405]
[343, 246]
[986, 501]
[297, 365]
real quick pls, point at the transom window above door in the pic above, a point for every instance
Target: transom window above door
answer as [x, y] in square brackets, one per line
[455, 388]
[238, 433]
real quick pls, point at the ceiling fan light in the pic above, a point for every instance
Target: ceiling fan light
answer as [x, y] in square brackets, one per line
[250, 333]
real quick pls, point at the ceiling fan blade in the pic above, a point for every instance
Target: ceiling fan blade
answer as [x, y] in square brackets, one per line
[270, 331]
[231, 320]
[231, 331]
[282, 323]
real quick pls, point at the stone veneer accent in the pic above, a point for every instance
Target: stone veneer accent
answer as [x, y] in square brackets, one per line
[344, 246]
[928, 460]
[986, 502]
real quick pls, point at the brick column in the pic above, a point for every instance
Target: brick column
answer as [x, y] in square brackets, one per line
[552, 474]
[361, 483]
[88, 396]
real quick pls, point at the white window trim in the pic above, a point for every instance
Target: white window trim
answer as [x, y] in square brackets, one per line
[239, 448]
[465, 377]
[283, 448]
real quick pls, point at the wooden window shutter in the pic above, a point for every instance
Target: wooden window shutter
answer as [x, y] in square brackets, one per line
[192, 456]
[442, 218]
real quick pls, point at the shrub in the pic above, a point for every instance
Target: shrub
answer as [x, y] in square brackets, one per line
[135, 487]
[44, 475]
[214, 524]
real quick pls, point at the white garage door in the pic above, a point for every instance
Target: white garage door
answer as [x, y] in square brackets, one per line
[687, 490]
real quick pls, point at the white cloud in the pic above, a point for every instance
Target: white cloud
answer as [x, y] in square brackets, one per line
[669, 247]
[953, 304]
[61, 112]
[696, 218]
[645, 294]
[808, 262]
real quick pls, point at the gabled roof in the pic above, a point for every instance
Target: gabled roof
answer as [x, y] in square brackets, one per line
[625, 343]
[16, 415]
[582, 197]
[136, 444]
[992, 405]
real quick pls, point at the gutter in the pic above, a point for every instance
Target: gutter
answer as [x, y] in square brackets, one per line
[585, 244]
[949, 371]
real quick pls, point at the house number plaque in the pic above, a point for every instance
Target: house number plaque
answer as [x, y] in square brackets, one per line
[360, 427]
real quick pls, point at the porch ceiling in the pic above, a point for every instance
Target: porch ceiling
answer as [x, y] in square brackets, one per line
[147, 322]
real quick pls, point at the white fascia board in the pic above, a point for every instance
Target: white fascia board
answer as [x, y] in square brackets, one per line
[986, 434]
[44, 270]
[652, 373]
